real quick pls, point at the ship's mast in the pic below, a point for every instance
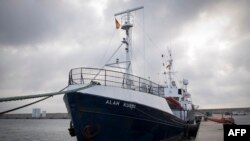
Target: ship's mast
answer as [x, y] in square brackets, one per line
[127, 25]
[170, 69]
[170, 61]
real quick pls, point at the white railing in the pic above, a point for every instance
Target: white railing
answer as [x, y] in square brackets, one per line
[115, 79]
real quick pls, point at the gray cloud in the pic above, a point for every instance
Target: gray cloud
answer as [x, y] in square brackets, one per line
[238, 57]
[30, 22]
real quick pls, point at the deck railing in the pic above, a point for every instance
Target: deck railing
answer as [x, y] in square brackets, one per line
[115, 79]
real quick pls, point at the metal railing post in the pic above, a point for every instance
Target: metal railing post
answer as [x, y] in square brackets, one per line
[81, 77]
[105, 77]
[69, 83]
[139, 83]
[158, 90]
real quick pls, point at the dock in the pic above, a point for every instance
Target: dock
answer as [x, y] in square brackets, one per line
[210, 131]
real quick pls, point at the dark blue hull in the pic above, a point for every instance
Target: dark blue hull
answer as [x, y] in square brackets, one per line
[104, 119]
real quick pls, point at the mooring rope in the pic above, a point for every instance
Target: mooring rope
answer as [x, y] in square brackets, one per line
[14, 109]
[46, 95]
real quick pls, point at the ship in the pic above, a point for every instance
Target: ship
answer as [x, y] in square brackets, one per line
[120, 106]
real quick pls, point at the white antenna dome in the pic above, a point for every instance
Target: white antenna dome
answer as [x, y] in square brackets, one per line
[185, 81]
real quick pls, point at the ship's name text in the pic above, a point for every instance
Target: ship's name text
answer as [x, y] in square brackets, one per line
[118, 103]
[113, 102]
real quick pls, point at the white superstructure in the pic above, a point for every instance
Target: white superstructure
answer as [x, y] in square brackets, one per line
[178, 93]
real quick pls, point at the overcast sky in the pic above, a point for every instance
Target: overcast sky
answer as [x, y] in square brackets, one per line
[41, 40]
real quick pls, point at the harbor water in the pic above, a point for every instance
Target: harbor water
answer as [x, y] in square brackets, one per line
[35, 130]
[52, 129]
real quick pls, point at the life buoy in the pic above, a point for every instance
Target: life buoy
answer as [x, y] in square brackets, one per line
[173, 103]
[90, 131]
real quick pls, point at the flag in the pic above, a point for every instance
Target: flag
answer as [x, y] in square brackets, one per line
[117, 24]
[168, 66]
